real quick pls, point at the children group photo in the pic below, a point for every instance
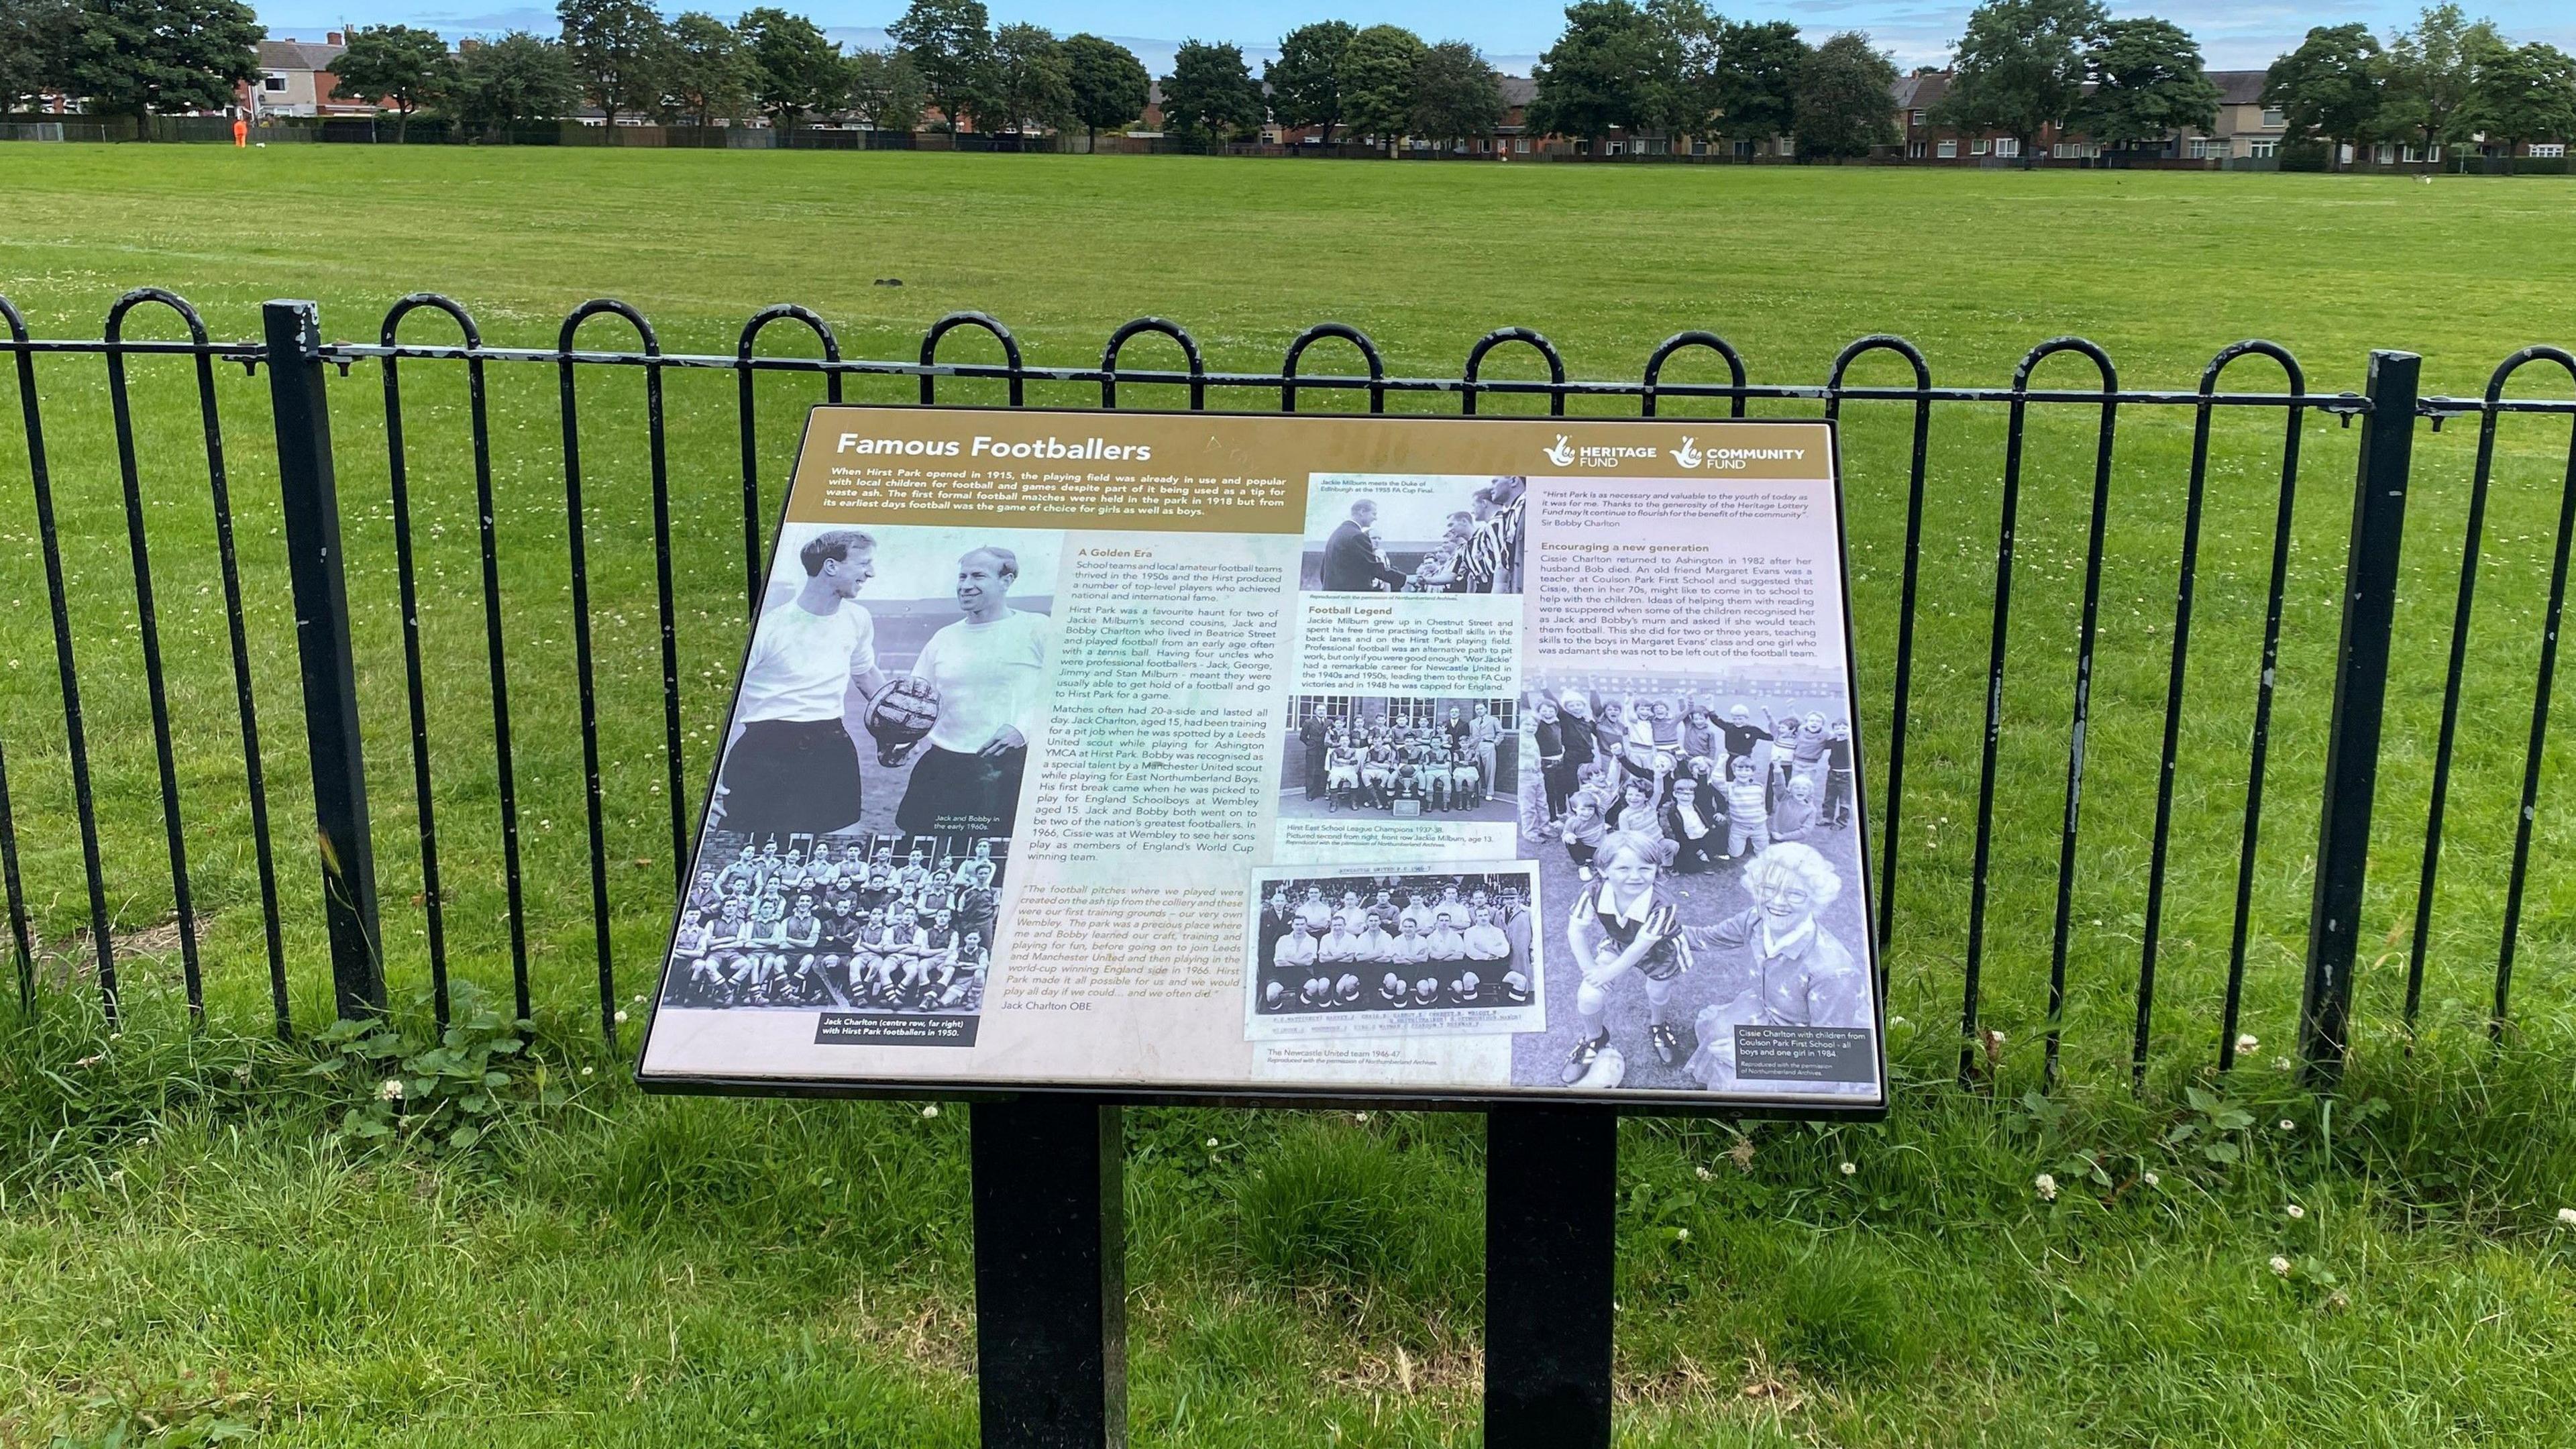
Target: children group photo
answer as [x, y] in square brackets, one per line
[1700, 845]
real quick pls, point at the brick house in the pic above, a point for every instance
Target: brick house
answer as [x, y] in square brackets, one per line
[295, 80]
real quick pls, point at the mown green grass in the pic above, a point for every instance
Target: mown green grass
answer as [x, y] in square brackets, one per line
[640, 1271]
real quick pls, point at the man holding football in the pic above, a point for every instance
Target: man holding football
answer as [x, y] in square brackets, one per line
[988, 672]
[793, 769]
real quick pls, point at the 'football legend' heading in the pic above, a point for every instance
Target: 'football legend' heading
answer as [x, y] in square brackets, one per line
[982, 446]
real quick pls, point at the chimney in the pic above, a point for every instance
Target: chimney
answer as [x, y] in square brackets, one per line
[336, 37]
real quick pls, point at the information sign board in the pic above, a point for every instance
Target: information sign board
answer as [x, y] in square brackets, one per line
[1268, 757]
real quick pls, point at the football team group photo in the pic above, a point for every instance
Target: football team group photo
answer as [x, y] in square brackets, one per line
[1400, 758]
[864, 804]
[1700, 846]
[1409, 534]
[1353, 944]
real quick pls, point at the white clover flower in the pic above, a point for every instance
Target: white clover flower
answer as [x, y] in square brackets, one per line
[2294, 1212]
[2567, 1217]
[1705, 1175]
[1681, 1235]
[2280, 1266]
[585, 1071]
[930, 1110]
[1211, 1144]
[1359, 1116]
[2247, 1041]
[392, 1090]
[620, 1018]
[242, 1073]
[2282, 1064]
[2288, 1126]
[1850, 1167]
[2150, 1179]
[2047, 1185]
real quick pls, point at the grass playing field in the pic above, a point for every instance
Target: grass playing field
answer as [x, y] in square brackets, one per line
[643, 1271]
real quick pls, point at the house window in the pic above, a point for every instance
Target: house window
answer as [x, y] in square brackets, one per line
[1918, 118]
[1699, 147]
[2263, 149]
[2007, 146]
[1915, 151]
[1521, 144]
[2203, 150]
[2272, 116]
[2433, 154]
[2383, 154]
[1949, 150]
[2548, 150]
[272, 83]
[2409, 156]
[1977, 147]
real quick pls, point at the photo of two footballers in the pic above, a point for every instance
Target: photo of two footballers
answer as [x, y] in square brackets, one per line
[877, 747]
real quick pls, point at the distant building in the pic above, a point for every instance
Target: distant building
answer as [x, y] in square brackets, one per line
[295, 80]
[1918, 101]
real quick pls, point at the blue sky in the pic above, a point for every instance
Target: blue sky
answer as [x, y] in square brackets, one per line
[2233, 33]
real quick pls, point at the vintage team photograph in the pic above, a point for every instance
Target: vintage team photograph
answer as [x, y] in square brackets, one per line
[1404, 533]
[883, 923]
[1400, 758]
[1393, 951]
[1698, 841]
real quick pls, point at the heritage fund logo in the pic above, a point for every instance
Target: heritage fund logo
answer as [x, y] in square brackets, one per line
[1565, 453]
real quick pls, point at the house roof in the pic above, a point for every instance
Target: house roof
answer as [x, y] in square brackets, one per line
[1518, 90]
[2239, 87]
[314, 55]
[1919, 92]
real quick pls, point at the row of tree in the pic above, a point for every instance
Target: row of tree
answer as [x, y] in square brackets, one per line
[1672, 67]
[2445, 81]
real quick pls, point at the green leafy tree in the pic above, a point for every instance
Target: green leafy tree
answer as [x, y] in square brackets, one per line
[1694, 36]
[616, 49]
[1377, 82]
[35, 49]
[1758, 64]
[1306, 80]
[1110, 85]
[2020, 66]
[514, 80]
[1456, 94]
[1032, 80]
[1613, 69]
[705, 73]
[2527, 93]
[2148, 83]
[951, 43]
[794, 69]
[147, 57]
[2329, 87]
[1210, 94]
[2432, 73]
[1845, 101]
[886, 90]
[403, 64]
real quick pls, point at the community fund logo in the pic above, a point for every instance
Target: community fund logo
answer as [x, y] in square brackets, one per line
[1565, 453]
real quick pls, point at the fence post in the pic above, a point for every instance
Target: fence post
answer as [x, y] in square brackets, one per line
[1551, 1209]
[312, 507]
[1050, 1272]
[2361, 684]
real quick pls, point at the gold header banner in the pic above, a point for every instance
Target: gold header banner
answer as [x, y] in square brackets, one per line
[1230, 473]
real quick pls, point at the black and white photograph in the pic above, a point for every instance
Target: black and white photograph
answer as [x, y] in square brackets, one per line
[881, 923]
[1400, 758]
[1420, 534]
[1357, 952]
[895, 680]
[1698, 840]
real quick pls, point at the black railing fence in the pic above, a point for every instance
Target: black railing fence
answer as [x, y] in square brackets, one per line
[2130, 604]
